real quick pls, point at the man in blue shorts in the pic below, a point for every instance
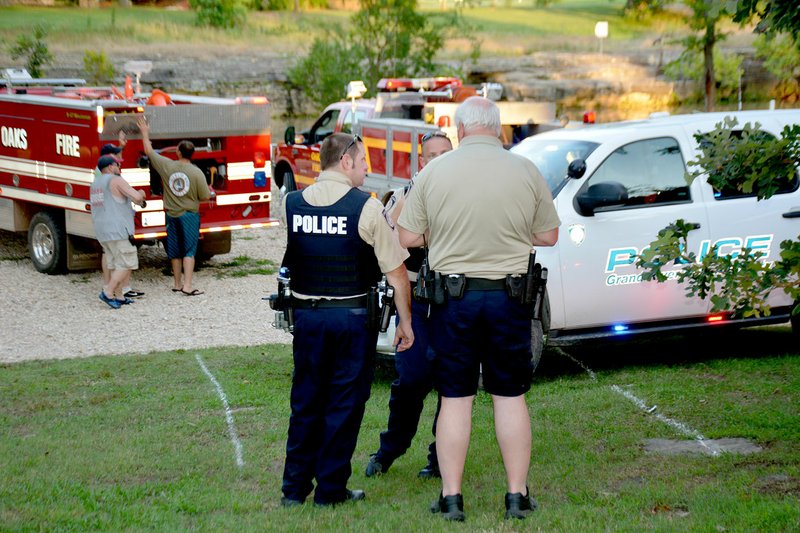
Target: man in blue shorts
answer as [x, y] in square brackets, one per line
[483, 208]
[185, 187]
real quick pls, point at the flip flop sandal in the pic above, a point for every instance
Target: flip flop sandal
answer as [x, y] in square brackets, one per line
[195, 292]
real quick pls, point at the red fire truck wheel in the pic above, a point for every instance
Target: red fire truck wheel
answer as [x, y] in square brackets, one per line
[47, 243]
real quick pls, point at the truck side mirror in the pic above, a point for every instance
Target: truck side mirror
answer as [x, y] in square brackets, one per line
[288, 135]
[576, 169]
[599, 195]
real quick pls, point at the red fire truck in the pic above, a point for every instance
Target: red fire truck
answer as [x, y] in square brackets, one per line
[51, 139]
[404, 108]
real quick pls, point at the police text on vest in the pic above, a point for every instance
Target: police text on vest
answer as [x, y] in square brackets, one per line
[327, 225]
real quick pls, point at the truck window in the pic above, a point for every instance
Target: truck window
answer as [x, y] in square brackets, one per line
[786, 185]
[324, 126]
[650, 171]
[347, 123]
[552, 157]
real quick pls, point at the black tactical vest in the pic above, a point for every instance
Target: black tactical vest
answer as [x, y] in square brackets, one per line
[324, 253]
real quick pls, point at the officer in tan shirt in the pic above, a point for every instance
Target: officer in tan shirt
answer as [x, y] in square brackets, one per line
[483, 208]
[338, 243]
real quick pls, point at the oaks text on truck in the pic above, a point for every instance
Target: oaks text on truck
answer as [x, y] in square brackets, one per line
[391, 125]
[50, 140]
[615, 186]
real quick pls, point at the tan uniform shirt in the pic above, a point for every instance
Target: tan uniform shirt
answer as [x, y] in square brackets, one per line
[482, 206]
[184, 185]
[373, 229]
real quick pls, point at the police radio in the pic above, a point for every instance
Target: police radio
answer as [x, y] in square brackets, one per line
[281, 303]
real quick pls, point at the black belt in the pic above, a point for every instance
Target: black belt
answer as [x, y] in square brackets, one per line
[483, 284]
[354, 302]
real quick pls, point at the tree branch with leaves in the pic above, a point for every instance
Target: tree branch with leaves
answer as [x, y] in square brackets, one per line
[750, 161]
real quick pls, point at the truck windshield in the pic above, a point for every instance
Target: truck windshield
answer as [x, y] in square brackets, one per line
[553, 156]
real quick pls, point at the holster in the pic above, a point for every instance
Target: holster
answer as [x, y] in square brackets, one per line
[373, 310]
[515, 287]
[439, 297]
[454, 285]
[423, 291]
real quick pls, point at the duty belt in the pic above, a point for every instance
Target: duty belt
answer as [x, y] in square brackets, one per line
[319, 303]
[483, 284]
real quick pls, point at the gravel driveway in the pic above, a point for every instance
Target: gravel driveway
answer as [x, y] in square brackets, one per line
[57, 317]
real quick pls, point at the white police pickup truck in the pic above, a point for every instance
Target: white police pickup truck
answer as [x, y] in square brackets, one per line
[634, 185]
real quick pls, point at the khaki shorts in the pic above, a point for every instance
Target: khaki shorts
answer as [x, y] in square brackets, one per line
[121, 255]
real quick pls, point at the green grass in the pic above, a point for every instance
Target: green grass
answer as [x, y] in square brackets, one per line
[242, 265]
[121, 443]
[512, 29]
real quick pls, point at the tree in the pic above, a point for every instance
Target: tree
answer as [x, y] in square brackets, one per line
[34, 49]
[774, 15]
[752, 162]
[388, 38]
[706, 15]
[392, 38]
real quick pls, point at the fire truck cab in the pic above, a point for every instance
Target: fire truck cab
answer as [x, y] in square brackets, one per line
[51, 139]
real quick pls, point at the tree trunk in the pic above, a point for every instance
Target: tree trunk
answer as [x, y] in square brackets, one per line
[708, 55]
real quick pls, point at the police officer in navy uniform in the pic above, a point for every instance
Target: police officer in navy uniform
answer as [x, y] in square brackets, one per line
[414, 375]
[338, 244]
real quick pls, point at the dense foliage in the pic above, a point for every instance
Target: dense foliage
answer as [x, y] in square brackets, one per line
[389, 38]
[752, 162]
[219, 13]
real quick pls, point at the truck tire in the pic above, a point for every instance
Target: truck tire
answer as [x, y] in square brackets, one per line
[539, 331]
[47, 243]
[284, 178]
[213, 244]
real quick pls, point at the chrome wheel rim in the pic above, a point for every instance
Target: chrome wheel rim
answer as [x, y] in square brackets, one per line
[43, 244]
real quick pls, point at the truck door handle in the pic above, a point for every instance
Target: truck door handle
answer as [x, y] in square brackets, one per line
[792, 214]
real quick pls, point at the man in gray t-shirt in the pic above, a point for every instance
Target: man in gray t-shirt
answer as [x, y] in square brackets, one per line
[112, 217]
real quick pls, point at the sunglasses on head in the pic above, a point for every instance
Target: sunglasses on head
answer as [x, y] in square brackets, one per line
[431, 134]
[356, 139]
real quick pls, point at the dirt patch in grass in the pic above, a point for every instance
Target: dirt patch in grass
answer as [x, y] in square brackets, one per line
[779, 484]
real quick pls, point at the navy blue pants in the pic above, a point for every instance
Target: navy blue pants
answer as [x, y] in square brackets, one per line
[414, 382]
[333, 370]
[485, 329]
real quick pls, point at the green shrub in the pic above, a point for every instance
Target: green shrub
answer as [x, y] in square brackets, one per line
[97, 67]
[219, 13]
[34, 49]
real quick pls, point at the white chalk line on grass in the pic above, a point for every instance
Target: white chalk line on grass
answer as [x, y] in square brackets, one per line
[679, 426]
[237, 444]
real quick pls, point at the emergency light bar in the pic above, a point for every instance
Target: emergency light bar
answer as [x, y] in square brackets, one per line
[417, 84]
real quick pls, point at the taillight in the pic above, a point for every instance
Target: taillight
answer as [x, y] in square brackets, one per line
[259, 160]
[589, 117]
